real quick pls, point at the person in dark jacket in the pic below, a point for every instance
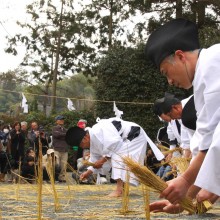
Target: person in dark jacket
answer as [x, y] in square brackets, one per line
[17, 142]
[60, 146]
[33, 136]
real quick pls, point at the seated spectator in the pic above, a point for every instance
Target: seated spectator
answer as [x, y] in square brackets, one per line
[82, 167]
[151, 161]
[30, 152]
[165, 169]
[50, 164]
[28, 169]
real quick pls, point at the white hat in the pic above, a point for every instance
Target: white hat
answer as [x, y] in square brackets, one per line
[50, 151]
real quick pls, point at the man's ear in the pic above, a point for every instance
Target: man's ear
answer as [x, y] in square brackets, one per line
[174, 107]
[180, 55]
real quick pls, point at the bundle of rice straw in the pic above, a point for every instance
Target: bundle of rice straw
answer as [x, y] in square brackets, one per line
[171, 151]
[162, 147]
[148, 178]
[181, 163]
[125, 197]
[87, 163]
[203, 207]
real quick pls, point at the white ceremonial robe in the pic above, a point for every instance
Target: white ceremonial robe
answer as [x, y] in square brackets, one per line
[107, 141]
[207, 102]
[185, 135]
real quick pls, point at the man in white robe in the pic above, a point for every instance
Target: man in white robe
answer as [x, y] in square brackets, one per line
[170, 109]
[110, 140]
[174, 48]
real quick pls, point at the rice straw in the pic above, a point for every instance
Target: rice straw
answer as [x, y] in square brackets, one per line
[125, 196]
[87, 163]
[148, 178]
[51, 173]
[146, 197]
[181, 163]
[203, 206]
[39, 182]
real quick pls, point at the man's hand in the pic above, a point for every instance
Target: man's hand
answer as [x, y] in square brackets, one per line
[85, 174]
[165, 206]
[205, 195]
[176, 190]
[99, 163]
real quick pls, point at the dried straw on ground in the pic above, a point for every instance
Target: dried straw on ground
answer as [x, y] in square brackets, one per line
[148, 178]
[146, 196]
[82, 202]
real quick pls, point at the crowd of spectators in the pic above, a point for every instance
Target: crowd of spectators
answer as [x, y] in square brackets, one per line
[19, 152]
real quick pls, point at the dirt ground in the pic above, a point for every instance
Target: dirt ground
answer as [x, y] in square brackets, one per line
[20, 201]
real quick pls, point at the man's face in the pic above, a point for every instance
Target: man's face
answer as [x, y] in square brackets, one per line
[60, 122]
[34, 126]
[24, 127]
[85, 143]
[175, 112]
[165, 117]
[176, 71]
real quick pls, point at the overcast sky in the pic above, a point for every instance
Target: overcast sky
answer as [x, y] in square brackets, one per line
[10, 12]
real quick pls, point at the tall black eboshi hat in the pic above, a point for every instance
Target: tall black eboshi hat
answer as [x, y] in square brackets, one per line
[178, 34]
[74, 136]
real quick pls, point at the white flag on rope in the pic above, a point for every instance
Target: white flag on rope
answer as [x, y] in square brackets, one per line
[118, 113]
[70, 105]
[24, 104]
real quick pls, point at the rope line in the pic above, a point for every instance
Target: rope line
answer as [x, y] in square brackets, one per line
[90, 100]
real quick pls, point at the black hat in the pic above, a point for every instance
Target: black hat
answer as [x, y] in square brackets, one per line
[74, 136]
[178, 34]
[164, 105]
[157, 107]
[189, 114]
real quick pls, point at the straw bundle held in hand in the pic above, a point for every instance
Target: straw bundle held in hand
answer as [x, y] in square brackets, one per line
[162, 147]
[87, 163]
[172, 151]
[181, 163]
[148, 178]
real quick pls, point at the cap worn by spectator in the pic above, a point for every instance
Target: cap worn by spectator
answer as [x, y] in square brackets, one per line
[162, 43]
[59, 117]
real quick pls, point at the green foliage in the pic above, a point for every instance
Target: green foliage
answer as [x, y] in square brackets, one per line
[71, 118]
[124, 75]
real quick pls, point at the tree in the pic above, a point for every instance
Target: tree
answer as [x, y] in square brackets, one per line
[53, 46]
[10, 100]
[79, 89]
[124, 75]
